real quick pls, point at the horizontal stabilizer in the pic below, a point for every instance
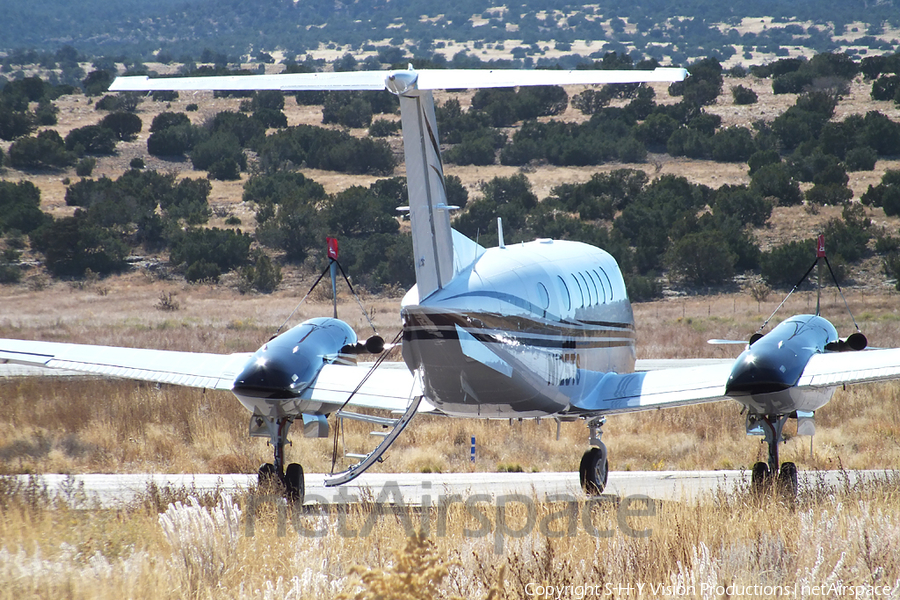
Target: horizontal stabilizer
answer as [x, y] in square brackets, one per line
[426, 79]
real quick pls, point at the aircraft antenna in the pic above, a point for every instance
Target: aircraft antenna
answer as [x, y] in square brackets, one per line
[358, 301]
[820, 254]
[333, 266]
[302, 300]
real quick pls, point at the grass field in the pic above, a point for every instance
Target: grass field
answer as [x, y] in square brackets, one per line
[90, 425]
[734, 545]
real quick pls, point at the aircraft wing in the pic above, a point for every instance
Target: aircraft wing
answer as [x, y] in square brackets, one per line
[427, 79]
[192, 369]
[620, 393]
[388, 388]
[704, 380]
[833, 369]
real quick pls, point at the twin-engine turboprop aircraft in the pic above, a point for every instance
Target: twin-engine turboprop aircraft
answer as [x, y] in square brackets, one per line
[539, 329]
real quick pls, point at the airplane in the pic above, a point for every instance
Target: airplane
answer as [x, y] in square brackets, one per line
[537, 329]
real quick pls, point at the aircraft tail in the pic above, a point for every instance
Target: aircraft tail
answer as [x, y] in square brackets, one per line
[429, 213]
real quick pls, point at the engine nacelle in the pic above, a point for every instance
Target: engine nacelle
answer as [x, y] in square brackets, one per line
[373, 345]
[286, 365]
[854, 343]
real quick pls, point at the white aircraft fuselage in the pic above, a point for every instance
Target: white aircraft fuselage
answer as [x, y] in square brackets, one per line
[512, 334]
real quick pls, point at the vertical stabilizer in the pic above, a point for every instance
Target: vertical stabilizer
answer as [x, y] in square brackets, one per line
[428, 211]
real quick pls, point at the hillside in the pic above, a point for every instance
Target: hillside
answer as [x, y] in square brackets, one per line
[723, 134]
[528, 31]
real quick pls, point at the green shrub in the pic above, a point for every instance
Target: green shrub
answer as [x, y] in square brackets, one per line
[164, 96]
[20, 207]
[165, 120]
[85, 166]
[743, 95]
[784, 265]
[861, 158]
[10, 273]
[175, 141]
[642, 288]
[831, 194]
[701, 258]
[383, 128]
[743, 204]
[91, 139]
[124, 125]
[46, 150]
[225, 248]
[762, 158]
[72, 245]
[775, 181]
[203, 271]
[732, 144]
[886, 194]
[263, 275]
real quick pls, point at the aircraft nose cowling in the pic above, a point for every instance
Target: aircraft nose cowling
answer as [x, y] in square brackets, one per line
[763, 373]
[268, 377]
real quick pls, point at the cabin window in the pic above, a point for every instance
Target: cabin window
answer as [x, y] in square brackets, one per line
[593, 286]
[587, 289]
[611, 292]
[580, 290]
[599, 282]
[543, 296]
[564, 292]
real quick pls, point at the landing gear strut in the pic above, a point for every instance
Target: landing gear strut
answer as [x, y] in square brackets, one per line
[291, 479]
[594, 468]
[765, 474]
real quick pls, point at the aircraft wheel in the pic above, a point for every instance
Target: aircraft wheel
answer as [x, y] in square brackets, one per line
[787, 480]
[759, 476]
[294, 484]
[268, 476]
[594, 470]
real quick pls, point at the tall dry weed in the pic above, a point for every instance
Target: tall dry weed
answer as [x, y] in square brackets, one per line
[844, 534]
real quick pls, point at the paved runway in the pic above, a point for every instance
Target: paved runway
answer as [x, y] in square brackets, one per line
[413, 488]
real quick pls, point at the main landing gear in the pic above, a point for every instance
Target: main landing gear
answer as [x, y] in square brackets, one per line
[594, 469]
[291, 478]
[765, 475]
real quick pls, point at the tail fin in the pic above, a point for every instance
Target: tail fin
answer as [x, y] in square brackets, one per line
[428, 210]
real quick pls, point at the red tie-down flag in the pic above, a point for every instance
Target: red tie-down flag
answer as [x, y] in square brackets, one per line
[332, 248]
[820, 247]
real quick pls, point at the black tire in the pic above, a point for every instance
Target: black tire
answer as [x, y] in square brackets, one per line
[295, 486]
[759, 477]
[270, 480]
[267, 474]
[594, 471]
[788, 483]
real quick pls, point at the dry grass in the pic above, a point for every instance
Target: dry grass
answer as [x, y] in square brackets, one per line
[200, 547]
[53, 426]
[88, 425]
